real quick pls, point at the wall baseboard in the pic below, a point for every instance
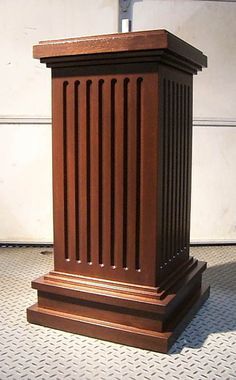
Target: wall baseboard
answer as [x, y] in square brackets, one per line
[197, 121]
[22, 120]
[50, 245]
[213, 242]
[8, 244]
[214, 122]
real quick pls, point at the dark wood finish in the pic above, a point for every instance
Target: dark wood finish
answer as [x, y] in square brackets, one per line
[135, 41]
[149, 339]
[122, 142]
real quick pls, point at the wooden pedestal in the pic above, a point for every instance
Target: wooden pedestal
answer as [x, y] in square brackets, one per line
[122, 141]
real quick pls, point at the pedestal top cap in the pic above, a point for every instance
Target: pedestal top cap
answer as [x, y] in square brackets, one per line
[152, 40]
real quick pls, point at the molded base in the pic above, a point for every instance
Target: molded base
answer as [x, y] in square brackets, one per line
[139, 321]
[114, 332]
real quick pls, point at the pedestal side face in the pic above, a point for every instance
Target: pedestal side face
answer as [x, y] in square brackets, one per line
[105, 140]
[175, 90]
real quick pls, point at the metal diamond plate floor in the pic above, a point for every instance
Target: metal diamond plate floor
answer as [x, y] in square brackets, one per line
[205, 350]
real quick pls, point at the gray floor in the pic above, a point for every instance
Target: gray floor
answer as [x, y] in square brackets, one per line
[206, 350]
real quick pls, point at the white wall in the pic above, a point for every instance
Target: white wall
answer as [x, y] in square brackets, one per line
[25, 134]
[25, 183]
[210, 26]
[25, 83]
[214, 184]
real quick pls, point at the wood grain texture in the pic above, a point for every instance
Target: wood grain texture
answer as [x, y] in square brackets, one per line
[119, 42]
[121, 333]
[176, 127]
[109, 164]
[122, 146]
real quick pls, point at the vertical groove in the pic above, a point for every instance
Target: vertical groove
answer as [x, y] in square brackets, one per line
[112, 248]
[173, 170]
[180, 164]
[172, 143]
[77, 176]
[170, 169]
[188, 165]
[168, 189]
[164, 177]
[167, 173]
[185, 185]
[125, 169]
[180, 168]
[65, 84]
[190, 131]
[118, 173]
[184, 180]
[163, 174]
[88, 122]
[171, 127]
[177, 167]
[100, 171]
[138, 174]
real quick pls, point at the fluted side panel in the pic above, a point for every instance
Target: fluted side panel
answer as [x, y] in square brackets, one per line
[176, 172]
[106, 137]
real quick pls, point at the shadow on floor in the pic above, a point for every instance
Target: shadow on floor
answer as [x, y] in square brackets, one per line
[218, 314]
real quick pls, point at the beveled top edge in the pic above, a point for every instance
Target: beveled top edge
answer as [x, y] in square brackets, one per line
[119, 42]
[105, 36]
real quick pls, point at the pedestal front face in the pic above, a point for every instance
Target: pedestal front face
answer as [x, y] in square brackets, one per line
[122, 142]
[105, 144]
[122, 172]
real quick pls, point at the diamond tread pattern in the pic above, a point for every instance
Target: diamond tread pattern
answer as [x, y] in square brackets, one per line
[205, 350]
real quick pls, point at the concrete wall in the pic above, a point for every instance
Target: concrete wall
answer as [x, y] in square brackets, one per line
[25, 182]
[25, 108]
[210, 26]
